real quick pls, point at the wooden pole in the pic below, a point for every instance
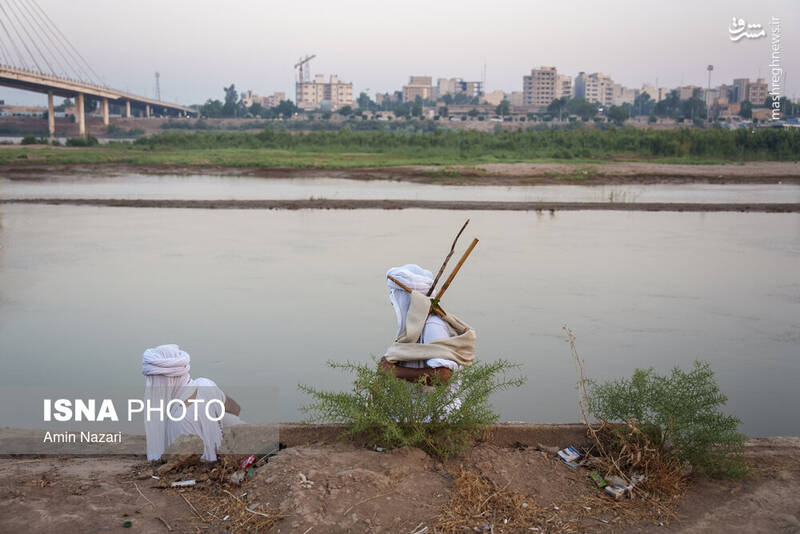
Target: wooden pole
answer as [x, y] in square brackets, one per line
[438, 311]
[455, 271]
[452, 249]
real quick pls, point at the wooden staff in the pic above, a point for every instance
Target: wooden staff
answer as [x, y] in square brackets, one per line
[455, 271]
[452, 249]
[435, 309]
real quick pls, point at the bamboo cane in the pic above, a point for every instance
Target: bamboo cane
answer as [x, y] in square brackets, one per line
[435, 309]
[455, 271]
[449, 255]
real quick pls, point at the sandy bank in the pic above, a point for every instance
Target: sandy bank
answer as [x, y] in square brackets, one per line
[596, 173]
[354, 204]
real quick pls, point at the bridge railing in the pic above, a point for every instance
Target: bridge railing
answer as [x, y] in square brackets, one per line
[53, 76]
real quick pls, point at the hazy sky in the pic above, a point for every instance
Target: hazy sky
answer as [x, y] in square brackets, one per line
[200, 45]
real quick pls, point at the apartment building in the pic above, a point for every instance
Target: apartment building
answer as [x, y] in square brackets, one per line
[596, 87]
[623, 95]
[738, 92]
[249, 98]
[650, 90]
[273, 100]
[447, 86]
[319, 94]
[494, 98]
[418, 86]
[564, 88]
[757, 92]
[686, 92]
[454, 86]
[539, 88]
[472, 89]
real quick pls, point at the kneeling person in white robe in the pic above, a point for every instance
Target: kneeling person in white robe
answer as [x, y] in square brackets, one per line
[166, 371]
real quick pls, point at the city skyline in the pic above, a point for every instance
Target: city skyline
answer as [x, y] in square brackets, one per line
[378, 48]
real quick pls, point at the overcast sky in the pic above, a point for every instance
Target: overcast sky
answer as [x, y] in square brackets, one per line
[199, 46]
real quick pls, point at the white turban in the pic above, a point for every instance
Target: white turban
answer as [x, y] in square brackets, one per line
[166, 371]
[414, 278]
[165, 360]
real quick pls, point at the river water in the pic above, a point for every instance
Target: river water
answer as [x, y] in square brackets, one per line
[194, 187]
[266, 297]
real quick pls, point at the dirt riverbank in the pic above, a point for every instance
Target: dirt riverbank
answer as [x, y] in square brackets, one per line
[359, 490]
[602, 173]
[354, 204]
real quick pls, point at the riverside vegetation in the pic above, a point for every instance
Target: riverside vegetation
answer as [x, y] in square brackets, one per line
[394, 413]
[346, 148]
[656, 424]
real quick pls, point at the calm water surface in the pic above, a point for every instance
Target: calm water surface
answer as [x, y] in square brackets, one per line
[237, 188]
[266, 297]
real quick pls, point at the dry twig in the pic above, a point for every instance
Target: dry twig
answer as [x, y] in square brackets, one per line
[449, 255]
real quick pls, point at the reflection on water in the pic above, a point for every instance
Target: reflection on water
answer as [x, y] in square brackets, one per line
[266, 297]
[238, 188]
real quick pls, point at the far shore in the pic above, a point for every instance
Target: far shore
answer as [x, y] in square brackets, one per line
[544, 172]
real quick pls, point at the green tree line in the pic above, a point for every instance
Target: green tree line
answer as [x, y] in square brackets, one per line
[741, 144]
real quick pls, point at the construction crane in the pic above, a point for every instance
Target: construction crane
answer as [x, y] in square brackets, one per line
[304, 76]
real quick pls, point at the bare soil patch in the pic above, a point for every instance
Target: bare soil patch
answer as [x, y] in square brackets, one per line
[352, 489]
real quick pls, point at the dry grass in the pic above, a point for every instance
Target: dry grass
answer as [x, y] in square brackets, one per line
[476, 501]
[622, 450]
[477, 504]
[215, 503]
[224, 511]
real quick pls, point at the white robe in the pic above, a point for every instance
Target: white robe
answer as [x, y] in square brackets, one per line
[166, 371]
[418, 279]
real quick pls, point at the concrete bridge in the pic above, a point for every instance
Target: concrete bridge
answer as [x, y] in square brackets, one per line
[35, 55]
[65, 87]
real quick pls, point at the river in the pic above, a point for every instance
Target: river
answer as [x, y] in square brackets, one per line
[205, 187]
[266, 297]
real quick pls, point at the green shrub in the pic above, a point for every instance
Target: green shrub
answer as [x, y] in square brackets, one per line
[390, 412]
[83, 141]
[28, 140]
[429, 139]
[115, 132]
[679, 412]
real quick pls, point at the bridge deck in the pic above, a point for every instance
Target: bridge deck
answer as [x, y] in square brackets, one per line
[68, 88]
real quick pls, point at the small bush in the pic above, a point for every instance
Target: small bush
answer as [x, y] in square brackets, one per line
[679, 412]
[394, 413]
[28, 140]
[83, 141]
[115, 132]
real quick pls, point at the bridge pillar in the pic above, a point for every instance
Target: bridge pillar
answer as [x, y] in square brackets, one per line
[127, 109]
[105, 111]
[147, 110]
[51, 119]
[81, 116]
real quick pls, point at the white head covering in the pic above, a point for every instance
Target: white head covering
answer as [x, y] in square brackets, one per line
[413, 277]
[166, 371]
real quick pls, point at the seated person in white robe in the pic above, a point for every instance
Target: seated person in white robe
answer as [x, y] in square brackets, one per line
[166, 371]
[417, 279]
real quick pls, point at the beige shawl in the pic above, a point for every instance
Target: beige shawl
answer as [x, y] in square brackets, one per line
[459, 347]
